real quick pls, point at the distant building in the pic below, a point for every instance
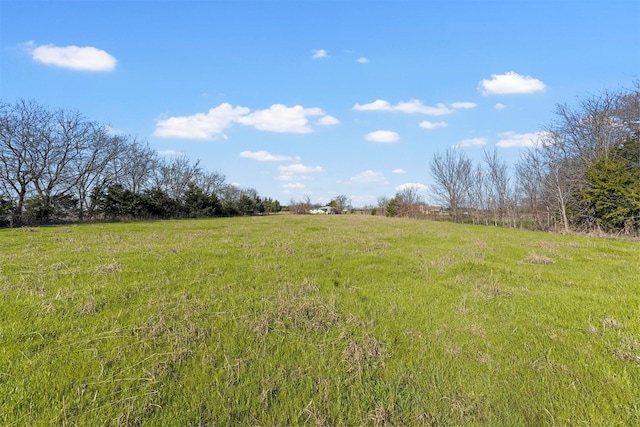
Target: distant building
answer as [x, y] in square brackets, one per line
[431, 209]
[324, 210]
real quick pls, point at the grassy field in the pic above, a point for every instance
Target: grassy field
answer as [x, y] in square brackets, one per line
[316, 320]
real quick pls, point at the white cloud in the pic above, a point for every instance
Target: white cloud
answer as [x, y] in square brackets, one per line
[296, 171]
[277, 118]
[299, 168]
[399, 170]
[413, 106]
[408, 107]
[510, 83]
[294, 185]
[465, 105]
[170, 153]
[264, 156]
[431, 125]
[382, 136]
[362, 60]
[513, 139]
[369, 176]
[472, 142]
[412, 185]
[328, 121]
[319, 53]
[86, 58]
[280, 118]
[499, 106]
[200, 126]
[377, 105]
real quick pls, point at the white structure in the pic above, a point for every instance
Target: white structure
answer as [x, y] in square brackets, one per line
[324, 210]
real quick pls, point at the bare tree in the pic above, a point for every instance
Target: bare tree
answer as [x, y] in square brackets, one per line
[563, 171]
[408, 202]
[452, 172]
[36, 147]
[57, 164]
[530, 176]
[90, 166]
[58, 153]
[135, 165]
[561, 183]
[301, 207]
[583, 134]
[477, 197]
[210, 182]
[340, 203]
[591, 129]
[500, 195]
[49, 156]
[173, 176]
[17, 125]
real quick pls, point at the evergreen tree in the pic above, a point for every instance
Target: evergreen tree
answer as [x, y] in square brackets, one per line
[612, 198]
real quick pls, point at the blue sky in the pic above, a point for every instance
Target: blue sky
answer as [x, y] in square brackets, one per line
[319, 98]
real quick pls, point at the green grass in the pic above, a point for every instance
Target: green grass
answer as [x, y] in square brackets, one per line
[316, 320]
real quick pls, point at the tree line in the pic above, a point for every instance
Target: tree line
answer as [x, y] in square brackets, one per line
[582, 174]
[58, 166]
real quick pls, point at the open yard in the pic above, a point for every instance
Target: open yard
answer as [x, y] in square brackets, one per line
[335, 320]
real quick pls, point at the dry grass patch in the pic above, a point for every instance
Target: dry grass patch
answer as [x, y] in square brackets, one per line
[284, 248]
[481, 245]
[90, 306]
[380, 416]
[484, 358]
[360, 354]
[310, 315]
[626, 356]
[454, 350]
[298, 307]
[477, 330]
[374, 247]
[630, 351]
[443, 263]
[313, 414]
[492, 291]
[537, 259]
[610, 322]
[109, 268]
